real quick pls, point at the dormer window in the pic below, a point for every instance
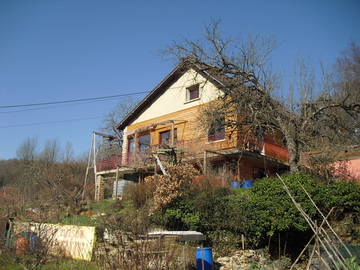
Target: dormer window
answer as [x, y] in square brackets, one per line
[193, 92]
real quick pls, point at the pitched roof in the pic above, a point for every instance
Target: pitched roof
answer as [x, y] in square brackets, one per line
[207, 71]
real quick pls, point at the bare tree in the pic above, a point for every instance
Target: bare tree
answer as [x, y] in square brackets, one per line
[248, 84]
[50, 152]
[117, 114]
[113, 147]
[27, 150]
[68, 153]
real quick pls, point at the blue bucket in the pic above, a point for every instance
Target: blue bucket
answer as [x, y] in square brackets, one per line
[235, 184]
[247, 183]
[204, 259]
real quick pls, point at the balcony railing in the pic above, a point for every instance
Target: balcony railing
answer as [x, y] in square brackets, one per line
[275, 151]
[189, 147]
[109, 163]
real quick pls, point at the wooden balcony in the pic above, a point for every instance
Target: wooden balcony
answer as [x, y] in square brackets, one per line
[193, 148]
[109, 163]
[275, 151]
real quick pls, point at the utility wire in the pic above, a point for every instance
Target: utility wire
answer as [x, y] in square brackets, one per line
[51, 122]
[52, 107]
[70, 100]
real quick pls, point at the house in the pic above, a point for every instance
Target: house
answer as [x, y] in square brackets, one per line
[165, 124]
[343, 163]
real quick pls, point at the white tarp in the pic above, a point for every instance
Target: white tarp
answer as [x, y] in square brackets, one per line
[72, 241]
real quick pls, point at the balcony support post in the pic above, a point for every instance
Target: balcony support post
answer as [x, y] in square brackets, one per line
[136, 146]
[172, 134]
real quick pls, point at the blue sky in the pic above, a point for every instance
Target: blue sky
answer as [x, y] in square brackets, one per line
[71, 49]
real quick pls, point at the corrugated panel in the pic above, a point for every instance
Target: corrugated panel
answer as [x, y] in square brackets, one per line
[118, 187]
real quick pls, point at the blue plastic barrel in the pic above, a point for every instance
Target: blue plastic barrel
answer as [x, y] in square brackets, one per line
[34, 243]
[204, 259]
[235, 184]
[247, 183]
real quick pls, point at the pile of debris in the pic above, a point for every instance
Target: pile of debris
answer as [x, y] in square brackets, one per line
[242, 259]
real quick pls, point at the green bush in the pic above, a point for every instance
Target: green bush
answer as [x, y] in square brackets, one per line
[263, 213]
[195, 210]
[343, 195]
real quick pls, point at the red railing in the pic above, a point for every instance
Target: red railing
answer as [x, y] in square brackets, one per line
[109, 163]
[275, 151]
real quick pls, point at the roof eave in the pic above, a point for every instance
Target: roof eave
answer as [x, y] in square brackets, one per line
[179, 69]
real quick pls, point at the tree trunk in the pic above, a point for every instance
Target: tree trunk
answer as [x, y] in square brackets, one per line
[294, 155]
[292, 146]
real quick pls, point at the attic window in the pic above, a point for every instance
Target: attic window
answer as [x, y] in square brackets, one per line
[192, 92]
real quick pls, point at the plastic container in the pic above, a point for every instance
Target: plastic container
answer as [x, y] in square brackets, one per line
[247, 183]
[34, 243]
[235, 184]
[21, 245]
[204, 259]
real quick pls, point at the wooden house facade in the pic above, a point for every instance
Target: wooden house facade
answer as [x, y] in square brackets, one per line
[169, 118]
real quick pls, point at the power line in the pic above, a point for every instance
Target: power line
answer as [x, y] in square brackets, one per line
[70, 100]
[52, 107]
[51, 122]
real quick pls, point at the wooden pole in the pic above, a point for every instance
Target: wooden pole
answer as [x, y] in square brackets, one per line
[304, 249]
[97, 187]
[116, 181]
[330, 249]
[311, 256]
[325, 219]
[317, 245]
[136, 146]
[202, 259]
[205, 162]
[172, 134]
[87, 169]
[279, 246]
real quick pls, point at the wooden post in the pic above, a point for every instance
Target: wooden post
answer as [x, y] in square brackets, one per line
[243, 241]
[98, 188]
[279, 246]
[94, 153]
[205, 161]
[317, 245]
[183, 255]
[202, 259]
[116, 181]
[136, 146]
[172, 134]
[238, 168]
[87, 168]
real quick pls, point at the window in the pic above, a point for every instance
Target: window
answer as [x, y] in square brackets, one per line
[144, 142]
[131, 144]
[192, 92]
[131, 148]
[165, 137]
[217, 130]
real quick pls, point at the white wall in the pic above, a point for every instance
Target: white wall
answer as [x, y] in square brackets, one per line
[174, 98]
